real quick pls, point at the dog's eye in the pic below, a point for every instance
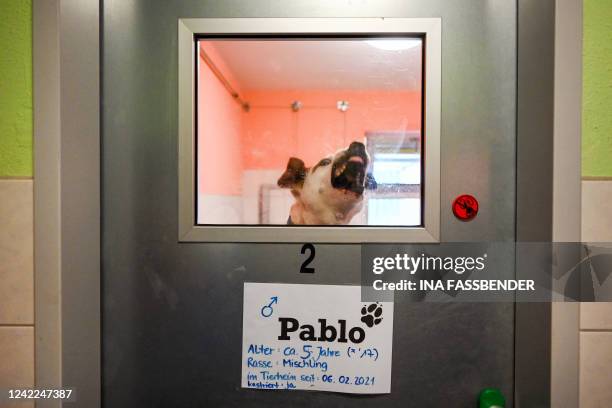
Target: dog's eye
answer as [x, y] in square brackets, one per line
[325, 162]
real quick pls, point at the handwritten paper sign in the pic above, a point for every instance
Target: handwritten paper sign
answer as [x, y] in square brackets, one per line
[315, 337]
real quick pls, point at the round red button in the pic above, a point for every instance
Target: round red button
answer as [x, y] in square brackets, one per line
[465, 207]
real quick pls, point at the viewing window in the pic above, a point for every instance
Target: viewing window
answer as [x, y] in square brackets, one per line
[309, 130]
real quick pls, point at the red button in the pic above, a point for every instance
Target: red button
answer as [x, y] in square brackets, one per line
[465, 207]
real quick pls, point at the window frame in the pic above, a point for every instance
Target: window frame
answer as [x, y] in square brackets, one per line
[188, 31]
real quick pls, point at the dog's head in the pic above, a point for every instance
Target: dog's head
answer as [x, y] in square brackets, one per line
[335, 183]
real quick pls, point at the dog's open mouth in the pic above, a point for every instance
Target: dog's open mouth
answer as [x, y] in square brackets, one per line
[349, 173]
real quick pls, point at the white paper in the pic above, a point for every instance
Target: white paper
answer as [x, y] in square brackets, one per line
[351, 355]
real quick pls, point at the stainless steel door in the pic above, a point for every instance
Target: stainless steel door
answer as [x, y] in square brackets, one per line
[172, 312]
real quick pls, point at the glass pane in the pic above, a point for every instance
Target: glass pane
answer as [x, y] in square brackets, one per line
[394, 168]
[288, 129]
[384, 211]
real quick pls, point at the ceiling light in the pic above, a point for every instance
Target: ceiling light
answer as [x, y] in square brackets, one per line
[394, 44]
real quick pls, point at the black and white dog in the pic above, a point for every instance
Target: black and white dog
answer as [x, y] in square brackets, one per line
[331, 192]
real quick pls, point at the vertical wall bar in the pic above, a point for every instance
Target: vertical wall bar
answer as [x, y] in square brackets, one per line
[567, 195]
[47, 229]
[80, 197]
[67, 196]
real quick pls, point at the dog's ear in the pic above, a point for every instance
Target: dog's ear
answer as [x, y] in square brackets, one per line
[370, 183]
[294, 175]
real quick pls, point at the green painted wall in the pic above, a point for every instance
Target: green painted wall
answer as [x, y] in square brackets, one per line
[597, 89]
[15, 88]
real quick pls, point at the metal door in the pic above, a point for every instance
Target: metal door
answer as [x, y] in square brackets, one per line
[172, 312]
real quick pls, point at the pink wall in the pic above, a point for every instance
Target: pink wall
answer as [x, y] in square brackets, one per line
[272, 131]
[220, 131]
[231, 140]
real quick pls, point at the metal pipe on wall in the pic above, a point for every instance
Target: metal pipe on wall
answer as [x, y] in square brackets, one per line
[245, 105]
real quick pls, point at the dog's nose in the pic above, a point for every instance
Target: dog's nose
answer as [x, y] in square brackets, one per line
[357, 148]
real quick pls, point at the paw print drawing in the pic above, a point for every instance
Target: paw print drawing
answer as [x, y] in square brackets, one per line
[371, 315]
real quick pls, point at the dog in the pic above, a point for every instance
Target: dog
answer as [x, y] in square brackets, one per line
[331, 192]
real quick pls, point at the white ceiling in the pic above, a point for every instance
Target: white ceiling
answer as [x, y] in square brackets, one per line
[319, 64]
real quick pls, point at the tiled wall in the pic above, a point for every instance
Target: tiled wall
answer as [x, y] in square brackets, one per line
[596, 318]
[16, 205]
[16, 284]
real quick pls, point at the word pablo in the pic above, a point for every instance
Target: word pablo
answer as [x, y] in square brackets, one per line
[327, 332]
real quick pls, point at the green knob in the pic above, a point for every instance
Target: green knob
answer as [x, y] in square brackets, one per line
[491, 398]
